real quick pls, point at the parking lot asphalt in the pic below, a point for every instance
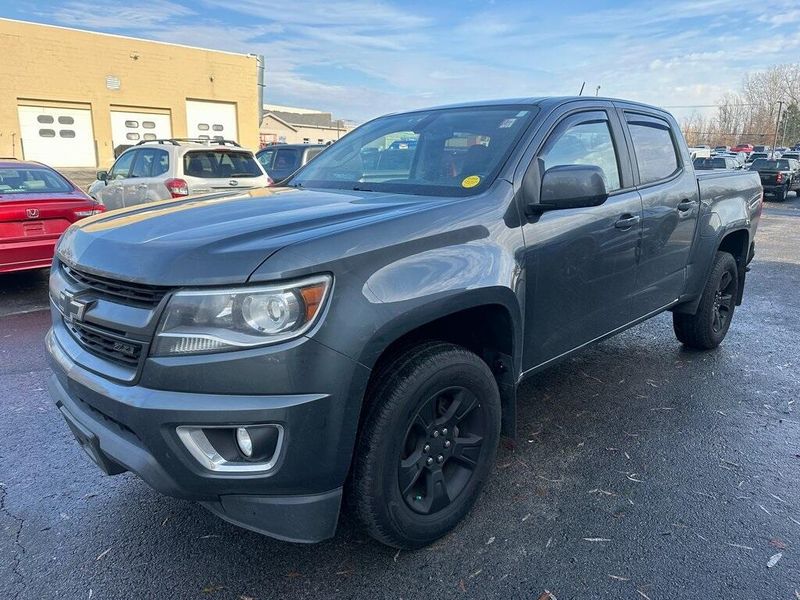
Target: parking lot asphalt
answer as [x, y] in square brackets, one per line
[642, 470]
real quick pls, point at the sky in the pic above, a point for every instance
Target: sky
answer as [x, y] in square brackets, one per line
[362, 58]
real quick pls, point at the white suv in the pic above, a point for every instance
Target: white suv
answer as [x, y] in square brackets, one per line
[162, 169]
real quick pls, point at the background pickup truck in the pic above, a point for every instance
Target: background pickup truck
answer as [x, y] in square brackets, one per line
[360, 333]
[778, 177]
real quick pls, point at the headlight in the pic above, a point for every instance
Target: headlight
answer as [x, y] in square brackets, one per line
[235, 318]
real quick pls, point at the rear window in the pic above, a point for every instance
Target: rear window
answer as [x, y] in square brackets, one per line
[217, 164]
[762, 164]
[31, 180]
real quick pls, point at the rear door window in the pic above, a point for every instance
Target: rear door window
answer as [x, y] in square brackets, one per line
[218, 164]
[656, 154]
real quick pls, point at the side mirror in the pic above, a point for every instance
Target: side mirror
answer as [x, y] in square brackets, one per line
[102, 175]
[571, 186]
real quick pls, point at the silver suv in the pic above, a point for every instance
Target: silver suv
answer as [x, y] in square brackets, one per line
[161, 169]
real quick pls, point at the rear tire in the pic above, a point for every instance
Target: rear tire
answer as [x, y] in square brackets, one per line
[426, 446]
[781, 194]
[706, 329]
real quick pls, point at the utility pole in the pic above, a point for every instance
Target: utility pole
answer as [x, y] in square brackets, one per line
[596, 91]
[777, 125]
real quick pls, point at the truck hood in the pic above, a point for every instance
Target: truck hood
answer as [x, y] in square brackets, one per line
[218, 238]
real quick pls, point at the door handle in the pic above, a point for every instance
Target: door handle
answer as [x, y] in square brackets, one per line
[685, 205]
[141, 186]
[626, 221]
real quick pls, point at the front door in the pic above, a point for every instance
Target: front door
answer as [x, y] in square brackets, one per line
[113, 194]
[581, 262]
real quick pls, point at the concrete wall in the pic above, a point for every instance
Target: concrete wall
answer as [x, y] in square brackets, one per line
[56, 66]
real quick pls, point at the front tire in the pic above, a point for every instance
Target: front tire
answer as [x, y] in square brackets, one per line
[706, 329]
[427, 444]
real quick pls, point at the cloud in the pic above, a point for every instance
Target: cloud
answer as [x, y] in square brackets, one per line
[360, 58]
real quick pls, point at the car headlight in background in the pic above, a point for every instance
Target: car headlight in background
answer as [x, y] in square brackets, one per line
[198, 321]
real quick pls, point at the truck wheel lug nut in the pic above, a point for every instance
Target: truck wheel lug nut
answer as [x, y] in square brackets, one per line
[444, 431]
[440, 459]
[427, 448]
[436, 433]
[429, 462]
[447, 444]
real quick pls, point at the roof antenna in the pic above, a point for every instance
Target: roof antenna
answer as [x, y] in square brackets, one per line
[583, 85]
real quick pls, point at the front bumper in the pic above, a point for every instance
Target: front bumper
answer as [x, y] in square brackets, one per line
[133, 428]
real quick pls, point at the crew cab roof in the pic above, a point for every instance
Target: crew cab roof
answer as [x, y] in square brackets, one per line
[543, 101]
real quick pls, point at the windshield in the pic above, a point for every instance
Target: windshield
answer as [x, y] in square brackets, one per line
[31, 180]
[762, 164]
[446, 152]
[216, 164]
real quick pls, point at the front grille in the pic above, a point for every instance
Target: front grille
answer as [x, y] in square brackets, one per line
[104, 345]
[136, 293]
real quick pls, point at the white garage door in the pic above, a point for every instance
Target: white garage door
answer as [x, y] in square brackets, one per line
[59, 137]
[128, 128]
[211, 120]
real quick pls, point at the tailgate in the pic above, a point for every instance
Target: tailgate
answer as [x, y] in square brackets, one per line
[768, 177]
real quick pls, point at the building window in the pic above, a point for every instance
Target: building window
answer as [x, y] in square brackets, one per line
[203, 137]
[305, 140]
[47, 133]
[149, 136]
[202, 126]
[65, 120]
[319, 141]
[44, 119]
[132, 124]
[217, 127]
[219, 137]
[67, 133]
[132, 136]
[148, 124]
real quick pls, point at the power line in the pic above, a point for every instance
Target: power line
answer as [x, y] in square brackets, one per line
[709, 105]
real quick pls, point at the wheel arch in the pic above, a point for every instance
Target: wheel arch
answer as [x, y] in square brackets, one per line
[487, 322]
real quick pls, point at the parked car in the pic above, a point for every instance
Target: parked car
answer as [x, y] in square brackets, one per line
[761, 148]
[721, 149]
[716, 162]
[699, 152]
[155, 170]
[365, 335]
[281, 161]
[791, 154]
[778, 176]
[36, 205]
[746, 148]
[755, 156]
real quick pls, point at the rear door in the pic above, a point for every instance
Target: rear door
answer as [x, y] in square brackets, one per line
[146, 181]
[670, 201]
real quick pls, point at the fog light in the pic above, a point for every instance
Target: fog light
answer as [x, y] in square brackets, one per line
[244, 441]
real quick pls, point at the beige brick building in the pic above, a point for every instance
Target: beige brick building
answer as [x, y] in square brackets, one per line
[292, 125]
[69, 97]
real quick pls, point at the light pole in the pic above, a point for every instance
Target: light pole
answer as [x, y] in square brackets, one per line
[777, 125]
[596, 91]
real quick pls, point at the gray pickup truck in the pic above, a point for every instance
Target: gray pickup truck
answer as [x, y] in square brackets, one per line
[360, 332]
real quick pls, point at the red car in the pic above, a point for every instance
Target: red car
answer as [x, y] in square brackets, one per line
[36, 205]
[748, 148]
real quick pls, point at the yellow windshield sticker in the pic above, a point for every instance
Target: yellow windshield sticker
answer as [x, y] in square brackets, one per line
[471, 181]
